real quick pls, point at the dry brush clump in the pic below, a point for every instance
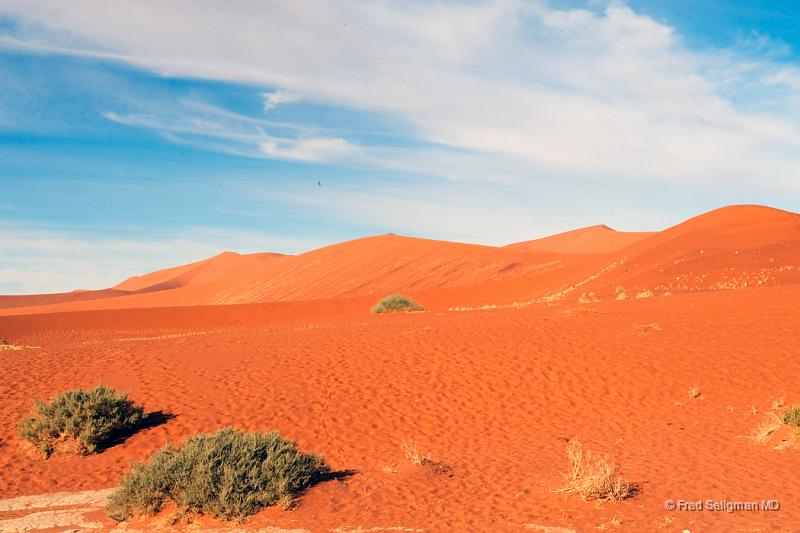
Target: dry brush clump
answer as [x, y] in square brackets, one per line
[791, 416]
[414, 456]
[394, 303]
[230, 474]
[592, 477]
[80, 421]
[774, 422]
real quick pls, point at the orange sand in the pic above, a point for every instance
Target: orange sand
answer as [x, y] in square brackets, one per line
[494, 393]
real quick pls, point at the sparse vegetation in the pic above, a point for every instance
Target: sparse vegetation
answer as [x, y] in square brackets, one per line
[694, 392]
[592, 477]
[763, 432]
[587, 298]
[80, 421]
[646, 328]
[230, 474]
[777, 404]
[414, 456]
[644, 294]
[620, 292]
[791, 416]
[394, 303]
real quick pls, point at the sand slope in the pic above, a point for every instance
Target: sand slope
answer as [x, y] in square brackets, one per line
[592, 240]
[732, 247]
[494, 394]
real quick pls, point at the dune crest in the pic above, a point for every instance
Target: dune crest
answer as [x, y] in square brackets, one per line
[727, 248]
[599, 239]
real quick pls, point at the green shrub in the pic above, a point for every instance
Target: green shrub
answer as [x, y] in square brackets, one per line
[80, 421]
[791, 416]
[230, 474]
[396, 302]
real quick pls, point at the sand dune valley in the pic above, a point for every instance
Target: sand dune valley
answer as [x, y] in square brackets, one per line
[673, 353]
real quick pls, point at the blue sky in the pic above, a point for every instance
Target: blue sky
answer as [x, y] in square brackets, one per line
[139, 135]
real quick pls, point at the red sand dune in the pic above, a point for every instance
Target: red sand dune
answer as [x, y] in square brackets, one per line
[732, 247]
[494, 393]
[592, 240]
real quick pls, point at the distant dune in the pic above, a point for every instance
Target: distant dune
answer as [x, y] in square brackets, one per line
[728, 248]
[639, 345]
[592, 240]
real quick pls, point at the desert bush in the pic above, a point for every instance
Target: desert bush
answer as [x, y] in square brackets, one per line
[80, 421]
[791, 416]
[644, 294]
[620, 292]
[593, 477]
[230, 474]
[396, 302]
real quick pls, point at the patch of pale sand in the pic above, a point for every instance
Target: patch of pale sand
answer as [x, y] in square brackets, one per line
[16, 347]
[166, 336]
[224, 530]
[96, 498]
[360, 529]
[45, 517]
[548, 529]
[51, 519]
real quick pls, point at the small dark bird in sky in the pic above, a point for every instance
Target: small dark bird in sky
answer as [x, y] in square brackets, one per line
[319, 184]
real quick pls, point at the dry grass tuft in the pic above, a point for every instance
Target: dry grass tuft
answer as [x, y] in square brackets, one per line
[621, 295]
[644, 294]
[763, 432]
[592, 477]
[778, 404]
[414, 456]
[646, 328]
[789, 442]
[694, 392]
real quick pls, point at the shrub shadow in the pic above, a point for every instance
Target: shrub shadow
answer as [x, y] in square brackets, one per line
[338, 475]
[150, 420]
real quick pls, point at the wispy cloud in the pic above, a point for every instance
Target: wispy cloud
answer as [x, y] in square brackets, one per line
[211, 127]
[320, 149]
[276, 98]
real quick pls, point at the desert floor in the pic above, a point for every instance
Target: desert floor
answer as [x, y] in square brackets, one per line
[495, 394]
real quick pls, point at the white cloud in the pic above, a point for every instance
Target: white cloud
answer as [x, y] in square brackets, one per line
[277, 98]
[210, 127]
[308, 149]
[546, 91]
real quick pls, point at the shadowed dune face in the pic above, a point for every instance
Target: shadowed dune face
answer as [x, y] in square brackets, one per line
[731, 247]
